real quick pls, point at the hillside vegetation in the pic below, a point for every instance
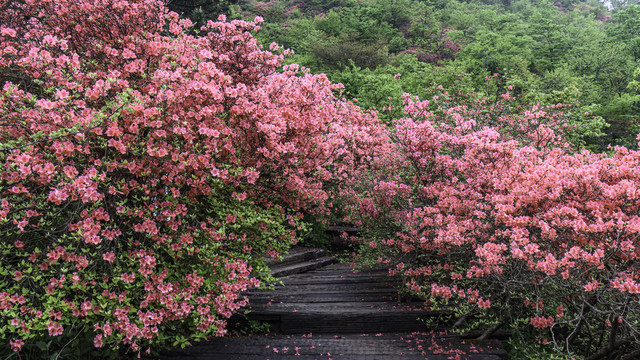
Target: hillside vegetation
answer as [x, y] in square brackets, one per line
[564, 52]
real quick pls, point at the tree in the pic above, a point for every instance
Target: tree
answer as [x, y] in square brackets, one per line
[621, 4]
[625, 28]
[482, 209]
[199, 11]
[146, 174]
[550, 42]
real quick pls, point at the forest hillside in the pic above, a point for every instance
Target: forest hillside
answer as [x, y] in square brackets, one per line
[581, 52]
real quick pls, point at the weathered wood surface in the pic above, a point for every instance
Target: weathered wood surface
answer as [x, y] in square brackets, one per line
[333, 313]
[297, 255]
[416, 346]
[289, 269]
[343, 228]
[333, 299]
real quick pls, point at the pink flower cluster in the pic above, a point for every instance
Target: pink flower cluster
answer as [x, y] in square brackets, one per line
[486, 197]
[140, 164]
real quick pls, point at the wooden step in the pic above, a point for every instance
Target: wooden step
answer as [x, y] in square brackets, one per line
[353, 322]
[325, 287]
[325, 297]
[417, 346]
[343, 229]
[297, 268]
[374, 313]
[344, 315]
[333, 299]
[296, 255]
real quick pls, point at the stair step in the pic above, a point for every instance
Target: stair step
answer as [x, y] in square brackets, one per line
[296, 255]
[325, 287]
[343, 317]
[326, 280]
[355, 323]
[342, 307]
[323, 297]
[415, 346]
[297, 268]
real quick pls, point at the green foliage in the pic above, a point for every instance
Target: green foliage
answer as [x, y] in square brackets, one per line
[315, 236]
[550, 52]
[625, 28]
[635, 83]
[199, 11]
[518, 348]
[319, 6]
[373, 89]
[549, 40]
[540, 53]
[77, 344]
[621, 4]
[338, 54]
[623, 115]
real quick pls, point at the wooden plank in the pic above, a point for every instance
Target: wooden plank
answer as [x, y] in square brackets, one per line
[343, 228]
[372, 296]
[297, 254]
[323, 287]
[344, 347]
[300, 267]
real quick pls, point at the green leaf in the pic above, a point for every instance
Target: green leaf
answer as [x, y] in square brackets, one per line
[42, 345]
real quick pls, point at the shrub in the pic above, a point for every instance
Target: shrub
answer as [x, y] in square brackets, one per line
[485, 210]
[145, 173]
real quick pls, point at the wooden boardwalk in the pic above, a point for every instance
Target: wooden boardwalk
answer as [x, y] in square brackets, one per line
[333, 299]
[333, 313]
[415, 346]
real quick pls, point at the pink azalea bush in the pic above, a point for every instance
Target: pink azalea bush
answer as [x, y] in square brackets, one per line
[145, 172]
[485, 210]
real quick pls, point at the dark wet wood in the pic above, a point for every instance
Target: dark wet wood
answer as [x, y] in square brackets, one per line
[333, 299]
[417, 346]
[333, 313]
[308, 265]
[343, 228]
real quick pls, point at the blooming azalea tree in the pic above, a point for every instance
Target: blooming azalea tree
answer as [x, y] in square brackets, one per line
[146, 172]
[484, 210]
